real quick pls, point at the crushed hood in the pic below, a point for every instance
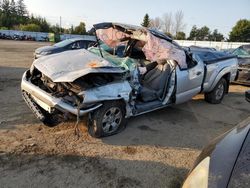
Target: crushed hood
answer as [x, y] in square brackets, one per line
[70, 65]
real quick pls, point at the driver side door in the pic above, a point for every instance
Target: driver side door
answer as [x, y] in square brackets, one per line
[189, 81]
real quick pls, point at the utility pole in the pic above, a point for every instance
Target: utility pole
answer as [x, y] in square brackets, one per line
[60, 24]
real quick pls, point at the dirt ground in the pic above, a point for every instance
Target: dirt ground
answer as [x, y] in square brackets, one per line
[155, 150]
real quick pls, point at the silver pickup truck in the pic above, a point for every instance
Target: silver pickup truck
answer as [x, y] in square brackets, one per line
[131, 71]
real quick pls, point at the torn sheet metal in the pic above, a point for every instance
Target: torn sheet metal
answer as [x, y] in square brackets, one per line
[112, 37]
[158, 49]
[70, 65]
[155, 48]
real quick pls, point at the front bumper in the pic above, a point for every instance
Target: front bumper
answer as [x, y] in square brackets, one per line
[47, 101]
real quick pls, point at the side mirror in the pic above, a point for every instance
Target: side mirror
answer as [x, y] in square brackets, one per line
[247, 95]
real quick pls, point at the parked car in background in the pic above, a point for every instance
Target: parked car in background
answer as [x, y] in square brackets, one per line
[243, 54]
[148, 72]
[4, 36]
[65, 45]
[225, 162]
[19, 37]
[43, 39]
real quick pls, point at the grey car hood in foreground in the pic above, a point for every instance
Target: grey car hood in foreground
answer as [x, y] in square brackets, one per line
[223, 152]
[70, 65]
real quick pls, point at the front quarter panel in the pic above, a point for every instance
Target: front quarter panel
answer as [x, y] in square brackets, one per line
[112, 91]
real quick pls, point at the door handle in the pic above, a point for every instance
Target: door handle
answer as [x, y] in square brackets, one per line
[198, 73]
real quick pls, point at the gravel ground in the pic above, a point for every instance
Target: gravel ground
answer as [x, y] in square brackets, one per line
[155, 150]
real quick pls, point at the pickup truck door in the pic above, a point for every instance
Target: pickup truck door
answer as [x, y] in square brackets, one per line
[189, 81]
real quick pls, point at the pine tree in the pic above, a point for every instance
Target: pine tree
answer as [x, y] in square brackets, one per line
[13, 7]
[146, 21]
[241, 31]
[22, 12]
[0, 14]
[21, 8]
[6, 6]
[80, 29]
[6, 14]
[13, 13]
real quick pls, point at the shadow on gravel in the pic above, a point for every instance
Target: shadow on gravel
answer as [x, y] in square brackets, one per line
[9, 77]
[189, 125]
[14, 111]
[11, 73]
[38, 170]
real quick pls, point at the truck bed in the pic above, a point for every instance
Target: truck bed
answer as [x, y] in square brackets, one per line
[209, 56]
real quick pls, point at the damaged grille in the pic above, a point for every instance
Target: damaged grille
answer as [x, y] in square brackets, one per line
[66, 91]
[69, 90]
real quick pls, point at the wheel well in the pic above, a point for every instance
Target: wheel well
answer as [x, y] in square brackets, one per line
[227, 78]
[122, 101]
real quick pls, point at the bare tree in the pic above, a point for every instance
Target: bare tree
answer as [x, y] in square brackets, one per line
[167, 23]
[156, 23]
[179, 24]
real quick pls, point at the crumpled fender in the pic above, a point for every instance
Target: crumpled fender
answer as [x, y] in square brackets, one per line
[112, 91]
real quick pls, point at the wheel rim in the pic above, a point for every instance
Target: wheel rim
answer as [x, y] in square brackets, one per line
[219, 92]
[111, 120]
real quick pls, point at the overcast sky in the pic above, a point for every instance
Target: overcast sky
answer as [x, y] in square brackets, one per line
[220, 14]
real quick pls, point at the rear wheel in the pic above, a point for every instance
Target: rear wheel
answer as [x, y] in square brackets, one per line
[107, 120]
[217, 94]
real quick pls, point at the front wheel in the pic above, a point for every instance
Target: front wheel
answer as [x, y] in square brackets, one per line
[107, 120]
[217, 94]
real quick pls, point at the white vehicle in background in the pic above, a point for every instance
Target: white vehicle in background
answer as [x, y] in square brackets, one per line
[141, 70]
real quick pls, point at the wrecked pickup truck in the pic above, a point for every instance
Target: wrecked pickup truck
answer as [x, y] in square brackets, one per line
[131, 71]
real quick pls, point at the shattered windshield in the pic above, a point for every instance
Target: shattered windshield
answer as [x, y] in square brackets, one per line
[125, 62]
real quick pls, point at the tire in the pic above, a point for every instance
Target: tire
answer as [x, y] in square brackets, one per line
[217, 94]
[102, 121]
[52, 120]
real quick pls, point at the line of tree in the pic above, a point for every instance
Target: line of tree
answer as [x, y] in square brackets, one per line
[241, 31]
[173, 25]
[204, 34]
[14, 15]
